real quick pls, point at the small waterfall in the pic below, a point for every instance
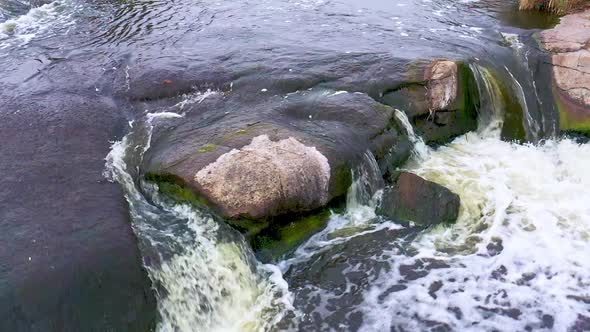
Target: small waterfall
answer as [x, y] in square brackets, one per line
[532, 126]
[420, 149]
[205, 276]
[537, 106]
[491, 103]
[366, 182]
[502, 103]
[362, 198]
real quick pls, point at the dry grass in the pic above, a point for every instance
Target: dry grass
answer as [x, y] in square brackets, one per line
[554, 6]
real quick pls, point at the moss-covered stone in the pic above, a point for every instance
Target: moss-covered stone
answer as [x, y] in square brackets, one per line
[283, 237]
[270, 238]
[342, 179]
[513, 128]
[504, 100]
[468, 97]
[206, 148]
[569, 121]
[175, 189]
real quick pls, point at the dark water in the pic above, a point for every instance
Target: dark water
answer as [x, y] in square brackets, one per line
[75, 74]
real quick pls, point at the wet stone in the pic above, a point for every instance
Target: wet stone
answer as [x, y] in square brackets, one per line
[495, 246]
[423, 202]
[392, 289]
[499, 273]
[526, 277]
[434, 287]
[582, 324]
[456, 311]
[421, 268]
[548, 321]
[436, 326]
[513, 313]
[585, 299]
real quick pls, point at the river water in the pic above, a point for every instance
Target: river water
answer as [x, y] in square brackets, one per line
[516, 258]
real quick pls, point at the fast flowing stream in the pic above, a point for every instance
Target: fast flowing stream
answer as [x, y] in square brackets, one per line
[515, 260]
[516, 257]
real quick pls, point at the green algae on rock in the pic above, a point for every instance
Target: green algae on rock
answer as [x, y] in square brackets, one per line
[270, 238]
[284, 236]
[569, 46]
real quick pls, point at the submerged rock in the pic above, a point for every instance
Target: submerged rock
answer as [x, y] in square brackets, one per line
[569, 43]
[423, 202]
[441, 100]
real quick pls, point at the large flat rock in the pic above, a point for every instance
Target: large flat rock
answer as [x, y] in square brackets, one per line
[69, 260]
[569, 43]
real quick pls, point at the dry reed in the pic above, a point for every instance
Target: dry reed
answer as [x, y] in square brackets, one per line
[554, 6]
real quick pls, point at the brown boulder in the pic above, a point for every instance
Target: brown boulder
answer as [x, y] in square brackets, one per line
[423, 202]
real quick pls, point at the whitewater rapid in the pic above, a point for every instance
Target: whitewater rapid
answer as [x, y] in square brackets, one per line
[518, 254]
[516, 259]
[49, 19]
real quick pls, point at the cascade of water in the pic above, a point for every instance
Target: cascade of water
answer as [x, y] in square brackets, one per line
[367, 181]
[420, 149]
[532, 126]
[537, 109]
[205, 274]
[491, 111]
[362, 198]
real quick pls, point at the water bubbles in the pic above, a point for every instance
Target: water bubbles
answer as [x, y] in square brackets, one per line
[517, 253]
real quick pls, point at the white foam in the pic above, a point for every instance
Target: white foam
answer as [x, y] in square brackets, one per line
[420, 149]
[533, 198]
[38, 21]
[512, 39]
[163, 115]
[213, 286]
[195, 98]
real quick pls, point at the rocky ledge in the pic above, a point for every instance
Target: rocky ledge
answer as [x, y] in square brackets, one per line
[440, 98]
[283, 161]
[569, 45]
